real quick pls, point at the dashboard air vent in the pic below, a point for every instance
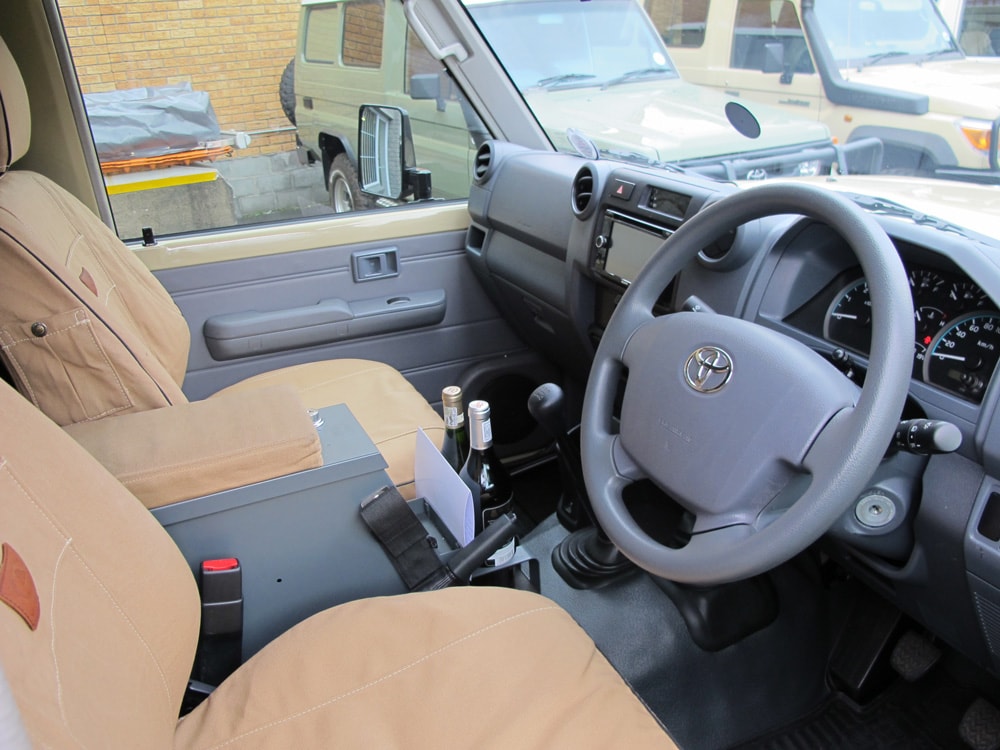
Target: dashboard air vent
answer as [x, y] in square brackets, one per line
[483, 162]
[583, 191]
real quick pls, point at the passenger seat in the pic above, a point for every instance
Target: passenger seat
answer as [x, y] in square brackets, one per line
[87, 332]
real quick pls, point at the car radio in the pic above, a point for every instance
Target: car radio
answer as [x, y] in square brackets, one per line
[624, 244]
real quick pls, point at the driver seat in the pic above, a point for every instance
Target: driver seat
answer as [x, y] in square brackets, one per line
[99, 618]
[87, 331]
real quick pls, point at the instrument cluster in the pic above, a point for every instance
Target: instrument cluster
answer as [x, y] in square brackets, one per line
[957, 329]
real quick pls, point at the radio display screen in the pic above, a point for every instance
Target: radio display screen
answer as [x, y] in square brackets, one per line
[629, 250]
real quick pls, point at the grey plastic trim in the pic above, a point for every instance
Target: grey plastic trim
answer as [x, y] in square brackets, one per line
[246, 334]
[915, 140]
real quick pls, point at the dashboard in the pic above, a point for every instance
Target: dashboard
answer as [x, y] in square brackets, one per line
[557, 239]
[957, 325]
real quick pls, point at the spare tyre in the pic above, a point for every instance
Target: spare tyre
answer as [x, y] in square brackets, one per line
[286, 91]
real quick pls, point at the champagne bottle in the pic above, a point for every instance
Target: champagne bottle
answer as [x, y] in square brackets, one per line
[455, 447]
[486, 477]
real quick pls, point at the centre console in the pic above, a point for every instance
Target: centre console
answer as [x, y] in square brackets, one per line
[299, 539]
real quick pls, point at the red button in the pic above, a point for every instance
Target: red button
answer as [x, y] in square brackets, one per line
[226, 563]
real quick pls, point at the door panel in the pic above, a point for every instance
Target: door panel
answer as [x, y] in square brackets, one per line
[470, 332]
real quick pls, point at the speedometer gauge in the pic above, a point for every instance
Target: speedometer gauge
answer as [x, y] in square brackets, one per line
[962, 357]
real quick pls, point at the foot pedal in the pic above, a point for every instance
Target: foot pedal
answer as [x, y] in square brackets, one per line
[980, 726]
[913, 656]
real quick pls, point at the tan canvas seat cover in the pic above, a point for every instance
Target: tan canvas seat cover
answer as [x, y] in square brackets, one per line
[87, 331]
[99, 620]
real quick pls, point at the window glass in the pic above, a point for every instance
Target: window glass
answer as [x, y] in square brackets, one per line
[546, 44]
[681, 22]
[767, 36]
[979, 33]
[206, 115]
[322, 27]
[420, 62]
[864, 32]
[363, 25]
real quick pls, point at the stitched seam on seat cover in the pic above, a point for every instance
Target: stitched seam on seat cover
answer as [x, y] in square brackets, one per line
[5, 467]
[41, 261]
[8, 347]
[281, 375]
[405, 434]
[386, 677]
[222, 458]
[77, 324]
[52, 639]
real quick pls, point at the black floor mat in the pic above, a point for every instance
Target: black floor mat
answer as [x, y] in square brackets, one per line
[920, 716]
[838, 725]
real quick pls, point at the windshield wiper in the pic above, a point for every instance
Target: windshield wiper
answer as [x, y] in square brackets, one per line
[551, 81]
[879, 57]
[891, 208]
[937, 53]
[633, 75]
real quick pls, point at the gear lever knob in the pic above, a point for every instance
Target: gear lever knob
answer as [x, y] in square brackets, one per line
[546, 404]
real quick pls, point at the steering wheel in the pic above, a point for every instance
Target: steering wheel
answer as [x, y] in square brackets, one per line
[755, 434]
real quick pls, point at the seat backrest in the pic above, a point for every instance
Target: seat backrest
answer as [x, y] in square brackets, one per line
[86, 330]
[98, 610]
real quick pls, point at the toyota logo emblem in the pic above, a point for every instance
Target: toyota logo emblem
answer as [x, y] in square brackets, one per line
[708, 369]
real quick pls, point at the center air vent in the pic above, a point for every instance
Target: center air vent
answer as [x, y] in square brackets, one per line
[583, 192]
[483, 162]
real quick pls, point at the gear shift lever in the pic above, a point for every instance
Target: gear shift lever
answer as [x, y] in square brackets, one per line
[586, 558]
[546, 404]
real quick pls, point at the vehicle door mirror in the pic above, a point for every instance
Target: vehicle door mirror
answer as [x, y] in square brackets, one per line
[774, 58]
[386, 155]
[427, 86]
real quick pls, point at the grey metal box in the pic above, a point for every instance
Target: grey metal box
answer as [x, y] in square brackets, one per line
[299, 538]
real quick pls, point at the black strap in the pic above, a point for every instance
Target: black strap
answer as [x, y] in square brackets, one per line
[405, 540]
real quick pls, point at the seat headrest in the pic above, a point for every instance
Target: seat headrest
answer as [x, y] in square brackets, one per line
[15, 117]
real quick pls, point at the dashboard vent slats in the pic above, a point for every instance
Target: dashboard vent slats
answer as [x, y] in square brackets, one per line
[583, 192]
[482, 163]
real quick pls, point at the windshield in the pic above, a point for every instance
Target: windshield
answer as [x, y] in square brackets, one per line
[860, 32]
[555, 43]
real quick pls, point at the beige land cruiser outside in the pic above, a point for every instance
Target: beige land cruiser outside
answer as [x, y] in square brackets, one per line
[884, 68]
[599, 67]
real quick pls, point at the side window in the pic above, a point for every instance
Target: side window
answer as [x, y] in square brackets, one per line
[979, 34]
[225, 114]
[767, 36]
[363, 26]
[322, 25]
[681, 23]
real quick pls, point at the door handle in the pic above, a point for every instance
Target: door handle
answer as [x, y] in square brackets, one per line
[367, 265]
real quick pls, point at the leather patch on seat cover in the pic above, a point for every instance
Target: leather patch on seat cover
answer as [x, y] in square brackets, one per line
[88, 281]
[17, 587]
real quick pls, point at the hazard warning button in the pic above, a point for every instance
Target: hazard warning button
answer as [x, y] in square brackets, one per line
[622, 189]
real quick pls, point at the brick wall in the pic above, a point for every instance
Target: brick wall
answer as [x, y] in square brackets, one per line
[235, 50]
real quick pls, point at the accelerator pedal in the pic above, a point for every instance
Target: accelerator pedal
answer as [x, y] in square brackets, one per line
[980, 726]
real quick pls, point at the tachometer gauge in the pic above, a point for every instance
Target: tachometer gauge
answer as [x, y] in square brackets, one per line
[963, 355]
[849, 319]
